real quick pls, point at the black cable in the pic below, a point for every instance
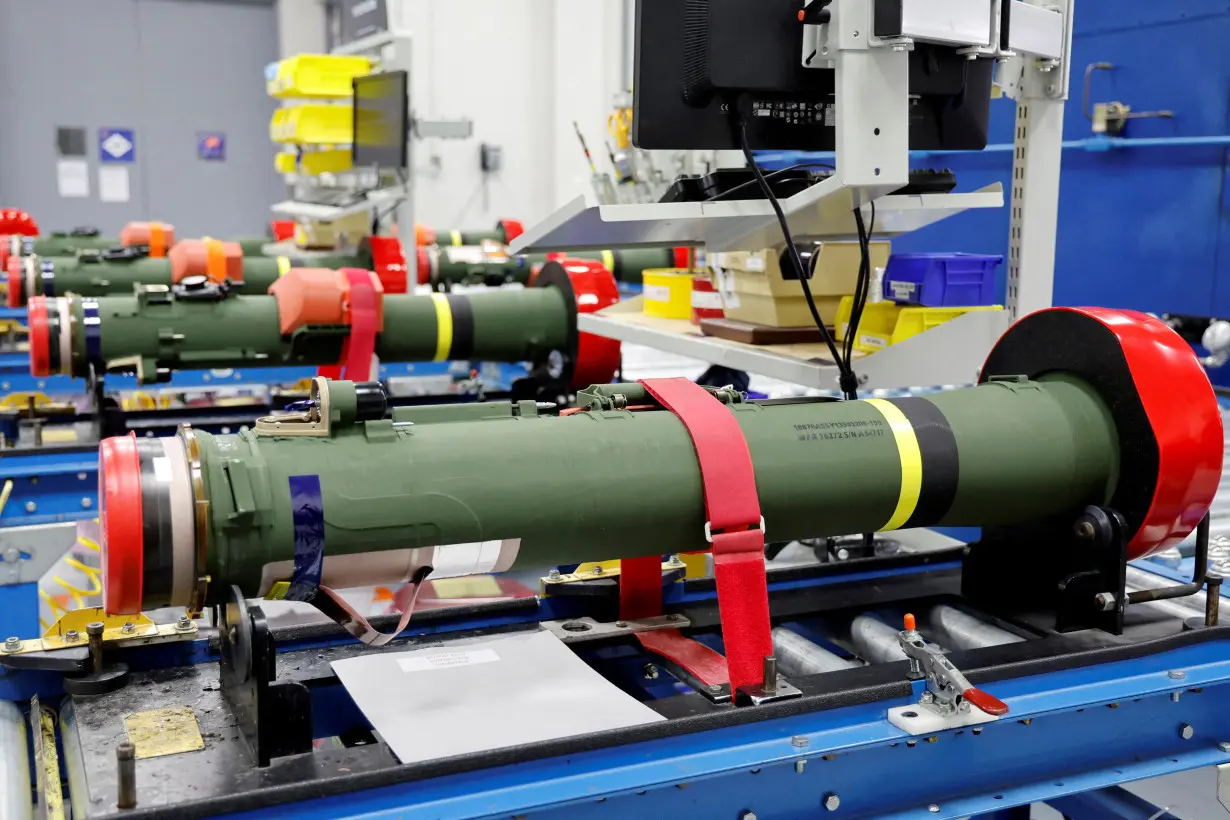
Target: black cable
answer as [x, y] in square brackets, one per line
[770, 175]
[862, 289]
[848, 380]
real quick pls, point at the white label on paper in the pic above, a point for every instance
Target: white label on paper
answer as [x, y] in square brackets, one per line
[460, 560]
[73, 178]
[447, 660]
[872, 341]
[113, 183]
[657, 293]
[902, 290]
[755, 263]
[706, 299]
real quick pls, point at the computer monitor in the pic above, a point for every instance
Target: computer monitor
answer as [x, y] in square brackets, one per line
[694, 57]
[381, 121]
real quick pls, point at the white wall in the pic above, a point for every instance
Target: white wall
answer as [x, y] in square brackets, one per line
[301, 27]
[523, 70]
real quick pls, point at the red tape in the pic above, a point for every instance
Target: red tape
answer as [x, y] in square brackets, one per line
[360, 346]
[732, 508]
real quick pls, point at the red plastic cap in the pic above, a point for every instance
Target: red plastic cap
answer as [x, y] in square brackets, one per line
[282, 229]
[512, 229]
[5, 241]
[40, 338]
[424, 265]
[15, 220]
[13, 271]
[389, 263]
[1186, 419]
[598, 359]
[682, 257]
[120, 516]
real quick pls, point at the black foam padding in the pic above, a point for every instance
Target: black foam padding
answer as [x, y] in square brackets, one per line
[1070, 342]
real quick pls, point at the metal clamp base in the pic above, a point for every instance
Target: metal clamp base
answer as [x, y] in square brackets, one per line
[582, 630]
[917, 719]
[756, 695]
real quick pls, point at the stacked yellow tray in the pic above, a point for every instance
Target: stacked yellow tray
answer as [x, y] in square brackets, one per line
[315, 76]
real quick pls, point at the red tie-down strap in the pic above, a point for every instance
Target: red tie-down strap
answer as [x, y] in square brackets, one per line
[734, 525]
[360, 346]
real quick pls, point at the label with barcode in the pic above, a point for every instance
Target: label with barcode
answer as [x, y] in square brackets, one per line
[657, 293]
[447, 660]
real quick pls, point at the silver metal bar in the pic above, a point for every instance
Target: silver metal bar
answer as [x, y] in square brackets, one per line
[798, 656]
[875, 641]
[959, 630]
[16, 802]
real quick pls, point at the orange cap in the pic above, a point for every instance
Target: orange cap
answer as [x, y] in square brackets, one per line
[157, 235]
[910, 624]
[206, 257]
[423, 235]
[317, 296]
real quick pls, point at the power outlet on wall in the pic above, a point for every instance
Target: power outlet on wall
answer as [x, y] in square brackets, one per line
[490, 158]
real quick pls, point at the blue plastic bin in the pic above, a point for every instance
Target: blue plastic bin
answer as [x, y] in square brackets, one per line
[941, 279]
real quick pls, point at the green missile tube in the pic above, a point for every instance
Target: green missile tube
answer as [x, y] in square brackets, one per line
[303, 321]
[104, 273]
[488, 488]
[505, 231]
[444, 267]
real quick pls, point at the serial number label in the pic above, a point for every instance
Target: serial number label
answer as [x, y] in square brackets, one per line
[829, 430]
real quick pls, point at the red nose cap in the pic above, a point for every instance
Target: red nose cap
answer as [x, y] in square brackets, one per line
[5, 244]
[512, 229]
[40, 337]
[13, 268]
[424, 265]
[120, 514]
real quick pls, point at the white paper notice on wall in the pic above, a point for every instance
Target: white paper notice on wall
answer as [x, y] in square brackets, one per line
[113, 183]
[73, 178]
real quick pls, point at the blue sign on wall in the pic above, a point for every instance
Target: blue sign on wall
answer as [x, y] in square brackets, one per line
[211, 145]
[117, 145]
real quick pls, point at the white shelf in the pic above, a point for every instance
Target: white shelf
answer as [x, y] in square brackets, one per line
[951, 353]
[823, 211]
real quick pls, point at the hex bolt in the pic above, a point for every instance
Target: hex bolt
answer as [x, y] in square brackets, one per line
[72, 636]
[831, 801]
[597, 570]
[1105, 601]
[799, 742]
[553, 575]
[94, 631]
[128, 628]
[676, 561]
[650, 671]
[1186, 731]
[621, 624]
[126, 776]
[86, 503]
[1176, 674]
[715, 688]
[184, 623]
[12, 644]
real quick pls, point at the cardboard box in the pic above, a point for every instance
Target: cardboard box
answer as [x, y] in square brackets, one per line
[340, 234]
[755, 290]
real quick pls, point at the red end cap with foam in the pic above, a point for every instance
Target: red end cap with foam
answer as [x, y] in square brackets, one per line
[389, 263]
[13, 286]
[120, 514]
[682, 257]
[40, 338]
[598, 358]
[15, 220]
[1165, 411]
[5, 244]
[424, 265]
[282, 229]
[512, 229]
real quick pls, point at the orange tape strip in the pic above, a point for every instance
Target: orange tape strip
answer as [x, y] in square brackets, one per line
[215, 260]
[157, 240]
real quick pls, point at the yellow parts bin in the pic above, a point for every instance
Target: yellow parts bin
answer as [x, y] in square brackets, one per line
[313, 125]
[327, 161]
[762, 295]
[887, 323]
[320, 76]
[667, 293]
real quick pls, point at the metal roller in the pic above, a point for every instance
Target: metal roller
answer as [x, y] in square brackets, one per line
[798, 656]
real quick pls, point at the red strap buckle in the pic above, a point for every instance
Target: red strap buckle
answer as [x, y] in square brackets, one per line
[360, 346]
[732, 507]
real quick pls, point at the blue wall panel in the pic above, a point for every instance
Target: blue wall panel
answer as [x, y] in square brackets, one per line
[1144, 228]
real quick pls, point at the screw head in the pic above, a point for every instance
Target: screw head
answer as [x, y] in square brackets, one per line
[1223, 747]
[1105, 601]
[72, 636]
[1176, 674]
[843, 554]
[95, 628]
[832, 802]
[799, 742]
[1085, 530]
[184, 623]
[748, 815]
[651, 672]
[128, 628]
[86, 503]
[1186, 731]
[715, 688]
[31, 506]
[934, 809]
[926, 697]
[597, 570]
[12, 644]
[676, 560]
[553, 575]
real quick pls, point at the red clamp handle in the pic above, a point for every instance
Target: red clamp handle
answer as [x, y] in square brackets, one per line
[987, 703]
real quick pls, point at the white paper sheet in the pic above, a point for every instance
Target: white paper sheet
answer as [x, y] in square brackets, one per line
[480, 694]
[113, 183]
[73, 178]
